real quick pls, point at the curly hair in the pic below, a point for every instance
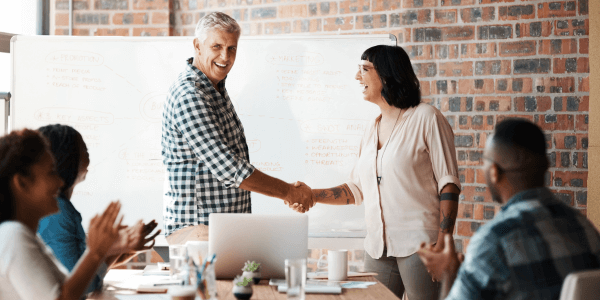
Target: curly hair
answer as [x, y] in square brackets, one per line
[65, 146]
[19, 151]
[401, 87]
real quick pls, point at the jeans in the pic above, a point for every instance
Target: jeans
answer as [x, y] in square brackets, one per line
[401, 274]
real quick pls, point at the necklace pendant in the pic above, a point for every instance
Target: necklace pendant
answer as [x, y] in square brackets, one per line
[378, 180]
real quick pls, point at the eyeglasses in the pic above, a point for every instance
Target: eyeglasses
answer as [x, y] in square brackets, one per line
[362, 69]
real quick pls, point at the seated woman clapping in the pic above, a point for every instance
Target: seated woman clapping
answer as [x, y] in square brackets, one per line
[29, 185]
[63, 232]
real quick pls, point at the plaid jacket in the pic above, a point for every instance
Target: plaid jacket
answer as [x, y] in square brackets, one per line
[527, 250]
[204, 150]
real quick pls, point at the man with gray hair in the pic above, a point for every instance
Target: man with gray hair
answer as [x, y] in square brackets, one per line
[203, 143]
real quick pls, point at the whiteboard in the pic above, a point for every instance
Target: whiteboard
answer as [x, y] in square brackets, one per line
[301, 108]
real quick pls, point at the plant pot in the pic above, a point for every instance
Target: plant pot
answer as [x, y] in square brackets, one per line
[242, 292]
[256, 276]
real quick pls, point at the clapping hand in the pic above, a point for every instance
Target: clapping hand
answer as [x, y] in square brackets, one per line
[302, 197]
[103, 231]
[441, 263]
[136, 238]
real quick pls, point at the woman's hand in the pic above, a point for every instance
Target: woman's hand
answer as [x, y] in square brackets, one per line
[103, 231]
[440, 263]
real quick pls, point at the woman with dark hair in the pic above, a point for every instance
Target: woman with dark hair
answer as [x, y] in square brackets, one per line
[406, 175]
[63, 232]
[29, 185]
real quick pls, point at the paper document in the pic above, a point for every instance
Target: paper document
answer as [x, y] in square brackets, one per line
[323, 275]
[357, 284]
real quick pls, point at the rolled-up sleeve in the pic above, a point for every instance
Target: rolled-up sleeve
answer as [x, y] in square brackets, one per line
[440, 140]
[353, 181]
[198, 122]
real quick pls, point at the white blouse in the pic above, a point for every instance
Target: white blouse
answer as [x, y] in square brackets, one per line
[417, 161]
[28, 268]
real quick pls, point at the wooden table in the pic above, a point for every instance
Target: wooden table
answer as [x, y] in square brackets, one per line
[264, 291]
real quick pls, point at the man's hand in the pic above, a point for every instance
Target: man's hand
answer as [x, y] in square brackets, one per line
[441, 263]
[300, 197]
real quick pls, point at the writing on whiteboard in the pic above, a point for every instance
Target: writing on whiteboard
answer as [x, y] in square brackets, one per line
[72, 115]
[295, 59]
[78, 58]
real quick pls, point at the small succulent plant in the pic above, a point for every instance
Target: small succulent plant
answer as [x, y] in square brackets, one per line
[242, 281]
[251, 266]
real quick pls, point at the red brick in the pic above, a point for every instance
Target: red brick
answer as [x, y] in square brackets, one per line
[531, 103]
[445, 16]
[112, 32]
[456, 104]
[558, 46]
[61, 19]
[160, 18]
[573, 27]
[476, 86]
[493, 67]
[410, 17]
[516, 12]
[583, 46]
[468, 157]
[571, 65]
[343, 23]
[456, 69]
[151, 5]
[185, 18]
[130, 18]
[467, 228]
[459, 33]
[322, 9]
[418, 52]
[520, 48]
[256, 28]
[478, 194]
[150, 31]
[475, 122]
[514, 85]
[425, 88]
[425, 69]
[403, 34]
[555, 85]
[478, 211]
[466, 175]
[278, 27]
[459, 2]
[478, 50]
[389, 5]
[292, 11]
[581, 122]
[570, 178]
[446, 51]
[465, 211]
[478, 14]
[500, 118]
[534, 29]
[556, 9]
[555, 122]
[480, 176]
[81, 31]
[312, 25]
[584, 84]
[492, 103]
[354, 6]
[494, 1]
[371, 21]
[444, 87]
[580, 160]
[570, 140]
[418, 3]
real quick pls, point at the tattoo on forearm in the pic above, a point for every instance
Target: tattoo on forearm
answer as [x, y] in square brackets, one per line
[447, 223]
[337, 192]
[322, 194]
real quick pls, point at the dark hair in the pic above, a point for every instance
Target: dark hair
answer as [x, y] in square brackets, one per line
[66, 147]
[19, 151]
[401, 86]
[523, 143]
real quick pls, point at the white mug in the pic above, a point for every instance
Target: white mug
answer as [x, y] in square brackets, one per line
[337, 264]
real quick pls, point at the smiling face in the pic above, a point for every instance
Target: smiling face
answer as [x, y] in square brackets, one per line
[369, 79]
[216, 55]
[43, 184]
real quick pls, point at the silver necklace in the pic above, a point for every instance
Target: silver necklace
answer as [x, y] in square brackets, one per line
[386, 144]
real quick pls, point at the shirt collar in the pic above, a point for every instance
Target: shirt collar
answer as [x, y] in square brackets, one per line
[203, 77]
[66, 207]
[535, 193]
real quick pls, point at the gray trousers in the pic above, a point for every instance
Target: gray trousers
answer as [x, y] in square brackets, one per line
[401, 274]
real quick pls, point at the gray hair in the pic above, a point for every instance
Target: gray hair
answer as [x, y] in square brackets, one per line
[215, 20]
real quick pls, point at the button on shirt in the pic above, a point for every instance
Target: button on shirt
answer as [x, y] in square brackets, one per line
[418, 160]
[527, 250]
[63, 233]
[205, 152]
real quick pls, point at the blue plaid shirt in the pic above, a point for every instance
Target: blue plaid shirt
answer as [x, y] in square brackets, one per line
[205, 152]
[527, 250]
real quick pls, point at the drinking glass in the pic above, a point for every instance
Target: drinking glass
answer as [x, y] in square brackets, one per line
[177, 255]
[295, 278]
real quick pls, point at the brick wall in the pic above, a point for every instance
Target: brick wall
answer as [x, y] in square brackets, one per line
[479, 61]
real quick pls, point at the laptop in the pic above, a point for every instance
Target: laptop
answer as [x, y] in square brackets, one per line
[266, 239]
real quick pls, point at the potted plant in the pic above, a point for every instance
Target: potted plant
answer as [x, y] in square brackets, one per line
[252, 270]
[242, 287]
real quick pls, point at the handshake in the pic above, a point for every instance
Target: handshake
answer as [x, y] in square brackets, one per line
[300, 197]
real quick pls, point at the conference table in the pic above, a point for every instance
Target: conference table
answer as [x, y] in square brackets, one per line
[262, 291]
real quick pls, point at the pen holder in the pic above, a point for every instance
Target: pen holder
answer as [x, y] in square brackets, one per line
[207, 283]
